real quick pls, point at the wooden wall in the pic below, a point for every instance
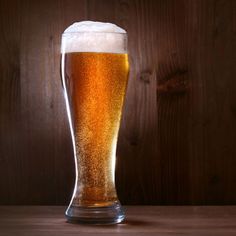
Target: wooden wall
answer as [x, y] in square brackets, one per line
[177, 142]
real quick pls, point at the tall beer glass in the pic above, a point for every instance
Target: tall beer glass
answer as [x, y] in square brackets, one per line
[94, 69]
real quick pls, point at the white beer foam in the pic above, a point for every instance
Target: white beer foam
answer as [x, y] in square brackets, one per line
[91, 36]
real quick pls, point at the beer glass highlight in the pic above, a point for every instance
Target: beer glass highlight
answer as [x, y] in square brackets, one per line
[94, 70]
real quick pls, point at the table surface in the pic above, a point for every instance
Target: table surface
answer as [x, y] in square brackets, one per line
[140, 220]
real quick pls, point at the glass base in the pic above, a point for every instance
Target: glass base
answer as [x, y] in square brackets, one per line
[95, 215]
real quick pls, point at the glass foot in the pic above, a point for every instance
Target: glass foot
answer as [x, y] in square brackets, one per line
[95, 215]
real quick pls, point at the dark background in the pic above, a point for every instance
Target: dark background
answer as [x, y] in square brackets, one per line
[177, 143]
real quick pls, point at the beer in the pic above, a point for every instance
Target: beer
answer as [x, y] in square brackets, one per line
[94, 75]
[96, 85]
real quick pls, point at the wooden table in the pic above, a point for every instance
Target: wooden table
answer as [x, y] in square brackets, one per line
[141, 220]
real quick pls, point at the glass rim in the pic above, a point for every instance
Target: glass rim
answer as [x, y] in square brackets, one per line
[92, 32]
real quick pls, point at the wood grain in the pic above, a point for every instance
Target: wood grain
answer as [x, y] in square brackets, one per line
[177, 138]
[140, 220]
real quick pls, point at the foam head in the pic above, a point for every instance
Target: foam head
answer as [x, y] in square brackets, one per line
[90, 36]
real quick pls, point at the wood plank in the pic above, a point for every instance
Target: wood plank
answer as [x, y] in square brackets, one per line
[37, 160]
[141, 220]
[173, 100]
[212, 93]
[137, 145]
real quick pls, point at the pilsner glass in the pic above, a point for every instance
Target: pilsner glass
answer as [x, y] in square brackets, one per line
[94, 70]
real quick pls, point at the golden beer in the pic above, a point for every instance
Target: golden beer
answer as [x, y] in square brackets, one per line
[96, 84]
[94, 69]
